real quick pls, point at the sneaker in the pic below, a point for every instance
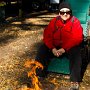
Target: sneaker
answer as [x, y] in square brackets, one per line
[74, 86]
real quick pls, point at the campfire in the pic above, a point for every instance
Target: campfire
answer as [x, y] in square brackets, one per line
[33, 65]
[36, 85]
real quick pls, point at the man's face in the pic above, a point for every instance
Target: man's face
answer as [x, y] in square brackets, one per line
[65, 13]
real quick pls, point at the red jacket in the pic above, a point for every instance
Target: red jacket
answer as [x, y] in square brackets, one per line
[58, 34]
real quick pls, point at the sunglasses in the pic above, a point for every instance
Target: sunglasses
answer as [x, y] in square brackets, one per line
[68, 12]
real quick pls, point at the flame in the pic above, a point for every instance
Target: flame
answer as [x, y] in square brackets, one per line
[32, 73]
[36, 85]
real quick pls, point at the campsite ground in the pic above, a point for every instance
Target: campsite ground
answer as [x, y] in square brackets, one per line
[19, 40]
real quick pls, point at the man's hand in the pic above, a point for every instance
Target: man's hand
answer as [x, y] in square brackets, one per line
[54, 51]
[58, 52]
[61, 50]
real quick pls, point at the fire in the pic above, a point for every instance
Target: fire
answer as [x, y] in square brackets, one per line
[36, 85]
[32, 73]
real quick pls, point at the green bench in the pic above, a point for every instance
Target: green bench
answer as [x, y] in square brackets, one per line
[81, 16]
[59, 65]
[80, 7]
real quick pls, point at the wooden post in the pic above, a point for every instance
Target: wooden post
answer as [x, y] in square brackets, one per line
[20, 8]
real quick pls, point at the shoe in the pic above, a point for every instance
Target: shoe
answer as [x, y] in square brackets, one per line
[74, 86]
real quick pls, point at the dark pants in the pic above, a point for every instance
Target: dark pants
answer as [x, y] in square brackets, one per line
[44, 55]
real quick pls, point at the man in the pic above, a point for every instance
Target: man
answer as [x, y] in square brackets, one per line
[63, 35]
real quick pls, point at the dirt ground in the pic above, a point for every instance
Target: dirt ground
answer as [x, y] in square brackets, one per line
[19, 40]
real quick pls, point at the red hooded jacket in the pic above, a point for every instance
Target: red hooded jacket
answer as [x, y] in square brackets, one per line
[58, 34]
